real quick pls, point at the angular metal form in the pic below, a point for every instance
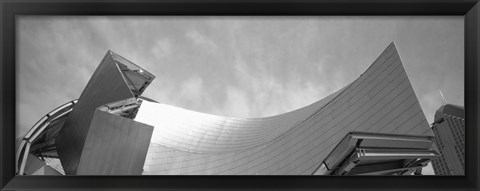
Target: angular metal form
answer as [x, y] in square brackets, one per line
[361, 153]
[115, 145]
[115, 79]
[110, 114]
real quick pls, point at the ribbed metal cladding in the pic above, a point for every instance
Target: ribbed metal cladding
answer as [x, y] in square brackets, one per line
[185, 142]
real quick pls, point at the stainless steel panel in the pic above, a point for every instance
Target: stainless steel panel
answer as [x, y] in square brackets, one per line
[106, 85]
[114, 146]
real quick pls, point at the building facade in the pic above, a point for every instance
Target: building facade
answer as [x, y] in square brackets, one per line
[449, 128]
[112, 130]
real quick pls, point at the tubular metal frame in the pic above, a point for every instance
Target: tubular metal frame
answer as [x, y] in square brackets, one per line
[36, 130]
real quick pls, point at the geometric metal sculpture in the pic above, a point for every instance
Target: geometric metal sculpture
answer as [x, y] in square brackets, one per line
[115, 145]
[113, 130]
[361, 153]
[115, 79]
[184, 142]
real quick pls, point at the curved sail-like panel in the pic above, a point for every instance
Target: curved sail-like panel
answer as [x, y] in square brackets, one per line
[381, 100]
[205, 133]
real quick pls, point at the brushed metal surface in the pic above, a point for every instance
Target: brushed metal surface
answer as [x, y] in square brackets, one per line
[114, 146]
[106, 85]
[381, 100]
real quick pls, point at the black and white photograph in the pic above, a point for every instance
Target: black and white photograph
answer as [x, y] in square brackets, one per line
[240, 95]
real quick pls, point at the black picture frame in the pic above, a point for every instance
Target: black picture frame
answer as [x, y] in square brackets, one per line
[9, 9]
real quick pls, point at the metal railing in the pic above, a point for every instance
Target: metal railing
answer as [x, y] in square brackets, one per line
[41, 126]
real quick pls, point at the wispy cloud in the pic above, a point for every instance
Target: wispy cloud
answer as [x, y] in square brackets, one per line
[430, 102]
[162, 48]
[192, 89]
[237, 103]
[305, 94]
[203, 41]
[268, 95]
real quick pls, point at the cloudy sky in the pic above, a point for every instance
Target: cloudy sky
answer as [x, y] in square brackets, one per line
[235, 66]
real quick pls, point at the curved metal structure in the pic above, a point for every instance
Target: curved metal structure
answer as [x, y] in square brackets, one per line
[39, 140]
[381, 100]
[197, 132]
[125, 134]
